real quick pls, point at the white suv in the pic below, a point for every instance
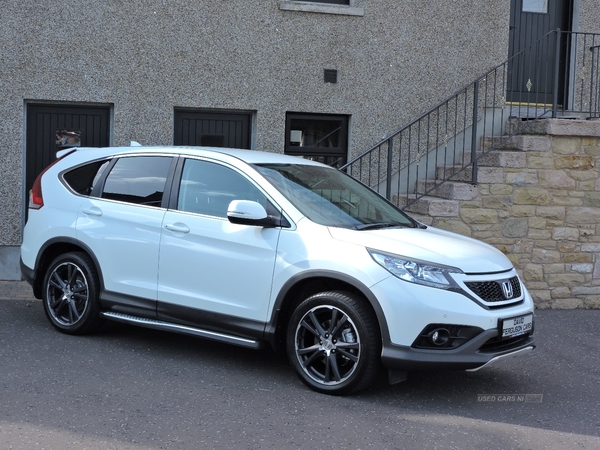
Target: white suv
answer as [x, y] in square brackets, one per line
[255, 248]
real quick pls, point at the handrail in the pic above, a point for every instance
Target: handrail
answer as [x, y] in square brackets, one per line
[446, 142]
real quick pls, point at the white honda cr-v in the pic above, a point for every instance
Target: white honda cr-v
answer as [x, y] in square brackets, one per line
[255, 248]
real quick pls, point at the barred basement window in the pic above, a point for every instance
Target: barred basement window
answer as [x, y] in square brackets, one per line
[344, 7]
[319, 137]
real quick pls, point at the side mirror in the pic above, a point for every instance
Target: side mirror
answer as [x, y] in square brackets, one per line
[246, 212]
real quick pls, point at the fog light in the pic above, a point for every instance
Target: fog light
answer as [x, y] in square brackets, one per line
[439, 336]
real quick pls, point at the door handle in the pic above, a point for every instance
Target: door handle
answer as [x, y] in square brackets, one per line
[93, 211]
[178, 227]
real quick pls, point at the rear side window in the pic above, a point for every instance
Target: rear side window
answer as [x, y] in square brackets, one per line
[83, 179]
[139, 179]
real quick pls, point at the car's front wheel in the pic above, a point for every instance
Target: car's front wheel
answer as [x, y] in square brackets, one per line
[70, 294]
[333, 343]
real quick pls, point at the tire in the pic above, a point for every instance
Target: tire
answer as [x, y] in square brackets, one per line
[70, 294]
[333, 343]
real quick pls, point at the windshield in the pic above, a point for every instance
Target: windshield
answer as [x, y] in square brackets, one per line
[332, 198]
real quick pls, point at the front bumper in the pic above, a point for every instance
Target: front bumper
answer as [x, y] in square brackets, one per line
[479, 351]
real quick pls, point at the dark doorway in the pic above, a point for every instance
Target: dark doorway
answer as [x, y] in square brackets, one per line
[212, 129]
[54, 127]
[531, 75]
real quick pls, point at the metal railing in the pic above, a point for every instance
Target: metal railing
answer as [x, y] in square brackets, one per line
[554, 77]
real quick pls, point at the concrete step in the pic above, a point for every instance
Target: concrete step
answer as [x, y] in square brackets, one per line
[450, 190]
[432, 207]
[523, 143]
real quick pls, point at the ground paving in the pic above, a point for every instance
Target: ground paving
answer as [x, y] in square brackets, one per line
[15, 290]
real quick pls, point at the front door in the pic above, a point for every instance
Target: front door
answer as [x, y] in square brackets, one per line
[211, 270]
[531, 69]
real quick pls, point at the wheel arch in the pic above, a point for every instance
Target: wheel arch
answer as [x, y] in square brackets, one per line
[53, 248]
[305, 284]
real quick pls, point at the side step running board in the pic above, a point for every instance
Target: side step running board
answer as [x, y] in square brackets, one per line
[182, 329]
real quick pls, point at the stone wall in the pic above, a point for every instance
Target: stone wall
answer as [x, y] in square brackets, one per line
[538, 201]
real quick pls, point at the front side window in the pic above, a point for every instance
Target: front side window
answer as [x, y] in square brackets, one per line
[318, 137]
[208, 188]
[332, 198]
[139, 179]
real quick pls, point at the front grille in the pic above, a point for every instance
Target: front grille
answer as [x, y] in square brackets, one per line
[491, 291]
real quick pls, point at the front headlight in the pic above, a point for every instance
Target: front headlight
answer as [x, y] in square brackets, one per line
[415, 271]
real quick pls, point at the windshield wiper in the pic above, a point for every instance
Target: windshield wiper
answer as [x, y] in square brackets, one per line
[377, 226]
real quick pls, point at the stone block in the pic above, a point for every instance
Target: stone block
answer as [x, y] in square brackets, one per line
[570, 234]
[533, 272]
[577, 257]
[454, 226]
[501, 189]
[566, 145]
[584, 215]
[574, 162]
[521, 178]
[542, 256]
[480, 215]
[522, 210]
[540, 162]
[560, 292]
[555, 179]
[592, 302]
[566, 279]
[551, 212]
[592, 199]
[515, 227]
[531, 196]
[582, 268]
[567, 303]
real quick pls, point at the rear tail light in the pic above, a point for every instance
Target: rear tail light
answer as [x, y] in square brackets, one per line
[36, 199]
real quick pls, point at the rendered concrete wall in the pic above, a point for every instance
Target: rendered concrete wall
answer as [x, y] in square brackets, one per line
[147, 57]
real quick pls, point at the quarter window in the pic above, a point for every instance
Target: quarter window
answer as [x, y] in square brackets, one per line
[140, 180]
[83, 179]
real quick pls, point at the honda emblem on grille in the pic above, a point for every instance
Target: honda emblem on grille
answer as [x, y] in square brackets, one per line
[507, 290]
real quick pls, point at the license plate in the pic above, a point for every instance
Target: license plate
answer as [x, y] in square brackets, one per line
[517, 325]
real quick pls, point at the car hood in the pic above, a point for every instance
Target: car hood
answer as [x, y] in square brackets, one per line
[432, 245]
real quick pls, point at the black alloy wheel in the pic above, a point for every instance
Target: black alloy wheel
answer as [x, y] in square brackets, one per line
[333, 343]
[70, 294]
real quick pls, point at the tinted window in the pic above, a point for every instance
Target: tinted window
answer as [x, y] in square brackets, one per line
[330, 197]
[139, 179]
[208, 188]
[83, 179]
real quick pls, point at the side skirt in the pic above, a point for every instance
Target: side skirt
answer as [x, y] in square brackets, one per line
[182, 329]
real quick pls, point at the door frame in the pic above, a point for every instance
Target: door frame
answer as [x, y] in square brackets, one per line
[546, 22]
[29, 134]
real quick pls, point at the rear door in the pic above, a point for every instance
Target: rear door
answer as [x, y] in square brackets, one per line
[121, 222]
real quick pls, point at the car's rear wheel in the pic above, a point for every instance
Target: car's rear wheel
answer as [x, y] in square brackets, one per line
[70, 294]
[333, 343]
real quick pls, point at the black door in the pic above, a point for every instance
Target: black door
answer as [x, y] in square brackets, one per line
[531, 69]
[54, 127]
[212, 129]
